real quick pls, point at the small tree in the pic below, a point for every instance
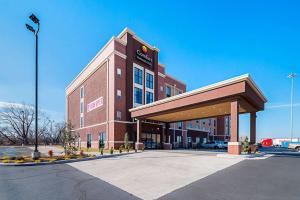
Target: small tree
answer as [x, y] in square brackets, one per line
[126, 141]
[246, 145]
[69, 138]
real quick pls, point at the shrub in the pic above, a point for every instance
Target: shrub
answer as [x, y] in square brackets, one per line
[37, 161]
[126, 140]
[5, 161]
[19, 161]
[50, 153]
[121, 149]
[111, 150]
[81, 153]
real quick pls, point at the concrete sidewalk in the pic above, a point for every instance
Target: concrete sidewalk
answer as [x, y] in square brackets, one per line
[152, 174]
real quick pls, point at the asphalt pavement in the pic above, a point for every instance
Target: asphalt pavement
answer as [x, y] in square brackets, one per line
[275, 178]
[55, 182]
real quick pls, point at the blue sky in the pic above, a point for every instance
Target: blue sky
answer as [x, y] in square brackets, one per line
[200, 43]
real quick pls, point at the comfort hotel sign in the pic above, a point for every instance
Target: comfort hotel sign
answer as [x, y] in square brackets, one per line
[141, 54]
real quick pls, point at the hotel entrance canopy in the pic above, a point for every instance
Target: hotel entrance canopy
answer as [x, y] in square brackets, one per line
[210, 101]
[229, 97]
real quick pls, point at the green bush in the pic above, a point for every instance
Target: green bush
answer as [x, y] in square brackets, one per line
[111, 150]
[121, 148]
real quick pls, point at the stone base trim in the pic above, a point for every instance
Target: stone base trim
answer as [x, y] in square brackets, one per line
[234, 148]
[167, 146]
[139, 146]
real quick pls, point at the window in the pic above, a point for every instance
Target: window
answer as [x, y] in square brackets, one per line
[81, 107]
[119, 94]
[149, 80]
[81, 92]
[138, 95]
[138, 76]
[119, 115]
[81, 121]
[179, 124]
[161, 88]
[89, 140]
[119, 72]
[102, 138]
[168, 91]
[149, 97]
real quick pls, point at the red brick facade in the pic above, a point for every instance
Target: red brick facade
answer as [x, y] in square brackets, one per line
[110, 76]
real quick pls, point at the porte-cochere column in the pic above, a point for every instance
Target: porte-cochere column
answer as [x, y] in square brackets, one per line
[139, 145]
[234, 146]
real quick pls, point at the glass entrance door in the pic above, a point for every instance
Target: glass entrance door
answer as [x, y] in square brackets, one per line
[151, 141]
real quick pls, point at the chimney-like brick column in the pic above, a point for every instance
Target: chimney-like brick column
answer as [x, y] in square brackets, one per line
[234, 146]
[139, 145]
[252, 127]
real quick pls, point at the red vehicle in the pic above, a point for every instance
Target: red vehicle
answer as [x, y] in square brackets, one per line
[268, 142]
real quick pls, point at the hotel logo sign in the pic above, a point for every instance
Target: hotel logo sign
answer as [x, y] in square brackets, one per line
[143, 56]
[95, 104]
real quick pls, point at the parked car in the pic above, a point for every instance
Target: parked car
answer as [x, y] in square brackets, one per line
[294, 145]
[215, 145]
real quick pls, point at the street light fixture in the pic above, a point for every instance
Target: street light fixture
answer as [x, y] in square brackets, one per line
[292, 76]
[36, 153]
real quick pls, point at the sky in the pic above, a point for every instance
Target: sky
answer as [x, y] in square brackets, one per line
[200, 42]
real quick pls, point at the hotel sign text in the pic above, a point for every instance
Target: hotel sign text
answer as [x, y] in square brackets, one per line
[95, 104]
[142, 56]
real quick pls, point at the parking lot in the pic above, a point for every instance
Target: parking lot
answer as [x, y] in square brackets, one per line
[157, 175]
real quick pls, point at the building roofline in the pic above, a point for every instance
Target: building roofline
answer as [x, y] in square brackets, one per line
[113, 38]
[128, 30]
[172, 77]
[244, 77]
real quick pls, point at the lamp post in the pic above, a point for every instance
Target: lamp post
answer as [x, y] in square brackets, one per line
[292, 76]
[36, 153]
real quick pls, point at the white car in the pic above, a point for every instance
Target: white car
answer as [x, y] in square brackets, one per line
[215, 145]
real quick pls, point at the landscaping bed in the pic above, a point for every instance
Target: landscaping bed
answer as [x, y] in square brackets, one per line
[43, 159]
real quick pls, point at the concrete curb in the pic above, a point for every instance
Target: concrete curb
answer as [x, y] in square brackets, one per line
[65, 161]
[259, 156]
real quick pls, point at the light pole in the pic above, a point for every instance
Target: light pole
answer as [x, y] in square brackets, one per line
[292, 76]
[36, 153]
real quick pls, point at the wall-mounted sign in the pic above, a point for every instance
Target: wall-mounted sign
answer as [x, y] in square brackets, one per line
[142, 55]
[95, 104]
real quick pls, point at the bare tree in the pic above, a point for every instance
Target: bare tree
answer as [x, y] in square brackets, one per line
[16, 121]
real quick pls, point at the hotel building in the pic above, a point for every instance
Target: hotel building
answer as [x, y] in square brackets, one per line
[124, 75]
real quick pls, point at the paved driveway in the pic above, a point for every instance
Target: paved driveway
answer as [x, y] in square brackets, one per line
[163, 175]
[152, 174]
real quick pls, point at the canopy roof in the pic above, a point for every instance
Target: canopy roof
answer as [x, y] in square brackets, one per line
[209, 101]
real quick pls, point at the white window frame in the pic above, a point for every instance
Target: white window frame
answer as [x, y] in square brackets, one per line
[119, 115]
[81, 102]
[119, 93]
[149, 89]
[138, 85]
[119, 71]
[81, 89]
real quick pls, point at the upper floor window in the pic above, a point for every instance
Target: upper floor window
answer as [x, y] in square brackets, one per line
[119, 94]
[81, 107]
[138, 76]
[168, 91]
[81, 92]
[149, 80]
[119, 115]
[149, 97]
[138, 95]
[119, 72]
